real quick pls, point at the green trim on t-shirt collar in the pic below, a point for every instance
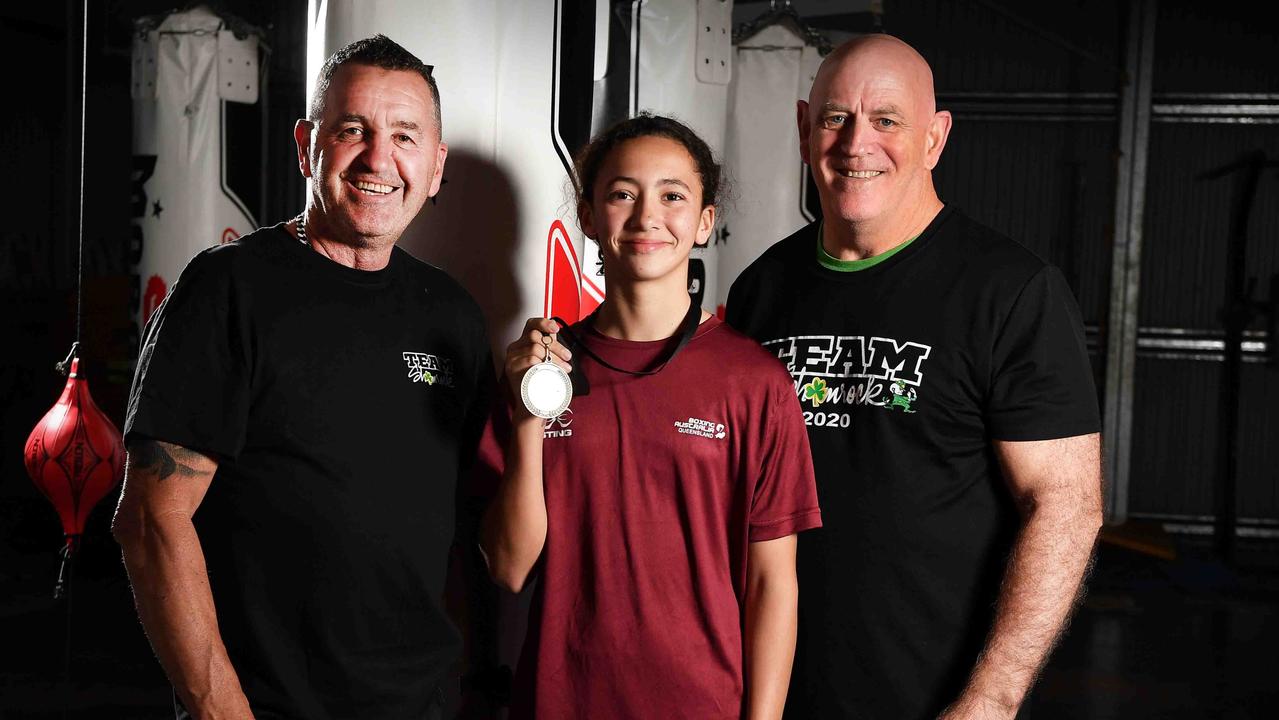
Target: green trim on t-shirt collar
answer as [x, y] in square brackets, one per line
[831, 262]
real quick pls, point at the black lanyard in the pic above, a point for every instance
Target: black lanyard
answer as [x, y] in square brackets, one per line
[688, 328]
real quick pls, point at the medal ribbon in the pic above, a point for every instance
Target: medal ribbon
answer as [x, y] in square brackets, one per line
[688, 328]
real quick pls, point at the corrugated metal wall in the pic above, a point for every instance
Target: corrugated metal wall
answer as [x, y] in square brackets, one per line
[1204, 53]
[1033, 154]
[1032, 149]
[1001, 46]
[1049, 185]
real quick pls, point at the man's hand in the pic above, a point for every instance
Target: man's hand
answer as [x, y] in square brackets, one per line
[1057, 486]
[163, 486]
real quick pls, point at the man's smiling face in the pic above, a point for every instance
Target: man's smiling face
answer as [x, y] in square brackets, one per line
[374, 154]
[867, 132]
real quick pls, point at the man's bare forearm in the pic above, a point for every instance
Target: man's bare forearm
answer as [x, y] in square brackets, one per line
[1042, 583]
[163, 485]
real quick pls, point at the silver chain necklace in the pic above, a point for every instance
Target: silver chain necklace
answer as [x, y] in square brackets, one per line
[300, 223]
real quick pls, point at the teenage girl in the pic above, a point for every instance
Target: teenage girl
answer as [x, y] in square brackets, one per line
[660, 510]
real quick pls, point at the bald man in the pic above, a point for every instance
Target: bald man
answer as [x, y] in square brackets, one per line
[951, 413]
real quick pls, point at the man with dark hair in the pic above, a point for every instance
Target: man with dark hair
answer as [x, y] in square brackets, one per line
[951, 410]
[316, 393]
[381, 52]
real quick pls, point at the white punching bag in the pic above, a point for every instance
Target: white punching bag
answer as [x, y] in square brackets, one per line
[774, 68]
[186, 69]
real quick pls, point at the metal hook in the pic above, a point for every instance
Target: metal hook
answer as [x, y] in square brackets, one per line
[65, 366]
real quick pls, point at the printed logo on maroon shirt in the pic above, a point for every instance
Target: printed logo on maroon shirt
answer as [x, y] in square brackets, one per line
[701, 428]
[559, 426]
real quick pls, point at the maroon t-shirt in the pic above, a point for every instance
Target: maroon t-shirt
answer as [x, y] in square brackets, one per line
[655, 485]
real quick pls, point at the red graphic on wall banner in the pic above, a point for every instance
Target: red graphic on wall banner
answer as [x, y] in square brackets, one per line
[229, 234]
[153, 296]
[568, 293]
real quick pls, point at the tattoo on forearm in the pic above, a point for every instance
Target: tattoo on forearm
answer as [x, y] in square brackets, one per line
[163, 459]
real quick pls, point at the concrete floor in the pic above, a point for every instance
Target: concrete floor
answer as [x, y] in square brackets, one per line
[1184, 638]
[1169, 639]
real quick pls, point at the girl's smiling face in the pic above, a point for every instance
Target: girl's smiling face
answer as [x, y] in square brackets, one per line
[646, 210]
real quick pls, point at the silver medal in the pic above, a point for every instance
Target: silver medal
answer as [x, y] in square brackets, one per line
[546, 389]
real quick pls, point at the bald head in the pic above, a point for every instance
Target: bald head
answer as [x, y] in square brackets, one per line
[884, 55]
[871, 134]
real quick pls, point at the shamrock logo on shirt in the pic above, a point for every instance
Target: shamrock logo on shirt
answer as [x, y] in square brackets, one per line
[429, 369]
[815, 391]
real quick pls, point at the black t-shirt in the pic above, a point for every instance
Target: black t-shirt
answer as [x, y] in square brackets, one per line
[343, 406]
[906, 371]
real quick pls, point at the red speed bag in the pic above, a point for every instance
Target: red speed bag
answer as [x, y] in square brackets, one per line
[75, 454]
